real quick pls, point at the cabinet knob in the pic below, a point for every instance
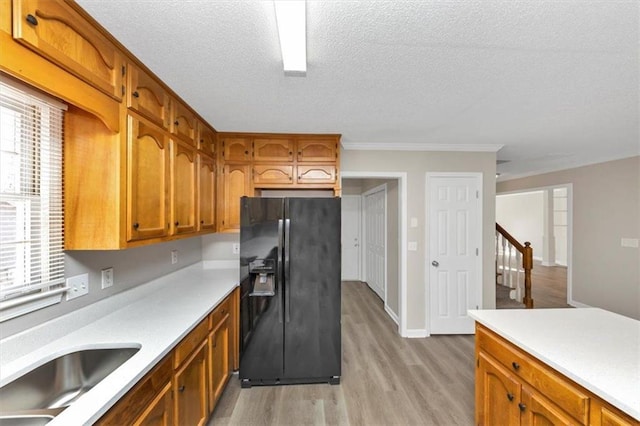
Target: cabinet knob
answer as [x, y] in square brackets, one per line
[32, 19]
[515, 365]
[246, 152]
[510, 396]
[181, 388]
[135, 94]
[202, 222]
[177, 223]
[521, 406]
[136, 225]
[176, 122]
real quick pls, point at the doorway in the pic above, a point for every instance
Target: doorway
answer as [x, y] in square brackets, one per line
[375, 239]
[351, 214]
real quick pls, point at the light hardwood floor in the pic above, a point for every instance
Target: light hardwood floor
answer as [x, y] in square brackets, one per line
[386, 380]
[549, 289]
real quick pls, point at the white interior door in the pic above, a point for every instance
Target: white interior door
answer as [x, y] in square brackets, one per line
[351, 213]
[375, 220]
[455, 239]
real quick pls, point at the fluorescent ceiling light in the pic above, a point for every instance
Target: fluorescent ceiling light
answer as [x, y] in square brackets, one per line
[291, 20]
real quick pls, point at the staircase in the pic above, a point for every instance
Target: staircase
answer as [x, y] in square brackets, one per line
[514, 262]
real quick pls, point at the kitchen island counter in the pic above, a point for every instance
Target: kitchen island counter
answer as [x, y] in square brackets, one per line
[597, 349]
[153, 316]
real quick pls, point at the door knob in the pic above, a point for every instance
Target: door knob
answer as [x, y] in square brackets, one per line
[435, 263]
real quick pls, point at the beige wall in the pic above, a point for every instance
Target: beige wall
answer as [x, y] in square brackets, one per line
[416, 165]
[606, 208]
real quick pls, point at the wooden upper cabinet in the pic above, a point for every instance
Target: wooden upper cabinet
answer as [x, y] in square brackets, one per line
[236, 149]
[236, 183]
[264, 174]
[184, 122]
[184, 188]
[316, 174]
[206, 192]
[147, 181]
[317, 150]
[147, 97]
[275, 150]
[56, 31]
[207, 139]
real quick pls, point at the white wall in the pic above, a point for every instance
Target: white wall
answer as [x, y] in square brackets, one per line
[522, 215]
[606, 208]
[131, 268]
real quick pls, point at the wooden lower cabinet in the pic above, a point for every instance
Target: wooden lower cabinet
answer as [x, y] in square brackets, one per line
[190, 384]
[185, 386]
[514, 388]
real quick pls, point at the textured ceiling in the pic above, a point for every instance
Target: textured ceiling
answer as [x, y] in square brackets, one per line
[556, 83]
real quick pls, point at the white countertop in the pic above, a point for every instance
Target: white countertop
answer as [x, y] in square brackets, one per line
[597, 349]
[154, 316]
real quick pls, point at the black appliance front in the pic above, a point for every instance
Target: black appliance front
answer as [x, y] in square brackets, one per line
[303, 315]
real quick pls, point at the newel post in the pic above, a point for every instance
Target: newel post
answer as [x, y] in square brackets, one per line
[527, 264]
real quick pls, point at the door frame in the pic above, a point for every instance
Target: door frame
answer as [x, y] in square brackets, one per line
[569, 187]
[363, 219]
[427, 270]
[402, 225]
[360, 233]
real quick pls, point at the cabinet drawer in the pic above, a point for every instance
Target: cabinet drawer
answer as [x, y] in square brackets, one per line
[62, 35]
[544, 379]
[190, 343]
[219, 313]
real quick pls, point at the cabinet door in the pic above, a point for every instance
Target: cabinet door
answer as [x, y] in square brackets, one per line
[265, 174]
[497, 394]
[147, 181]
[159, 412]
[316, 174]
[236, 149]
[184, 122]
[236, 183]
[317, 150]
[147, 97]
[59, 33]
[184, 188]
[278, 150]
[190, 383]
[206, 192]
[539, 411]
[218, 360]
[207, 140]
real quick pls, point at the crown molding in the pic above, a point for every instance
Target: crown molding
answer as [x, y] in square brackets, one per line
[417, 146]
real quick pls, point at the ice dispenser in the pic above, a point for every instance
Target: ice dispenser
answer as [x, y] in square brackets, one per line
[262, 273]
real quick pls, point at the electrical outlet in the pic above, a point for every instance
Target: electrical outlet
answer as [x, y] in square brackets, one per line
[78, 286]
[174, 257]
[236, 248]
[107, 277]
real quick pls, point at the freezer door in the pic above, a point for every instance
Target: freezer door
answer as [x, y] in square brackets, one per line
[312, 288]
[262, 317]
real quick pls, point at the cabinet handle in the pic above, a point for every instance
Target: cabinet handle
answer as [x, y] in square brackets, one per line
[515, 365]
[136, 225]
[32, 19]
[521, 406]
[510, 396]
[136, 94]
[181, 388]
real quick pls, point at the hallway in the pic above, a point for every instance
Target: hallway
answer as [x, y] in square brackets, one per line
[549, 289]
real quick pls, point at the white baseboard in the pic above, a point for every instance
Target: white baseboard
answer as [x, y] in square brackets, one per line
[416, 333]
[579, 304]
[391, 314]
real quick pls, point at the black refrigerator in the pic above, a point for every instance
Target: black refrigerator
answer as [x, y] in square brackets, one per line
[290, 291]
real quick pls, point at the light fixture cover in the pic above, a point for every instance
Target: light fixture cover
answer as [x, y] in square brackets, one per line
[291, 20]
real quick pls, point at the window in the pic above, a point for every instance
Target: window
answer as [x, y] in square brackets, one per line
[31, 210]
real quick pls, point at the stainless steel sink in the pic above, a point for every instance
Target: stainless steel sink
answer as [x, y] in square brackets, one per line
[39, 395]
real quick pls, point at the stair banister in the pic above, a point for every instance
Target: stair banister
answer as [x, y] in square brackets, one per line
[527, 263]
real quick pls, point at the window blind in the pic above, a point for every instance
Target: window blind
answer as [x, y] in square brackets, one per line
[31, 198]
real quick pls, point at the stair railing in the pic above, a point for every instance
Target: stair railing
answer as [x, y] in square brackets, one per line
[514, 263]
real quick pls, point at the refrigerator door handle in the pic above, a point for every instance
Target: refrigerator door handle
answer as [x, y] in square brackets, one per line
[279, 269]
[287, 296]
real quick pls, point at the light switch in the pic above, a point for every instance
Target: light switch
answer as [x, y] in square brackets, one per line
[629, 242]
[413, 222]
[413, 245]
